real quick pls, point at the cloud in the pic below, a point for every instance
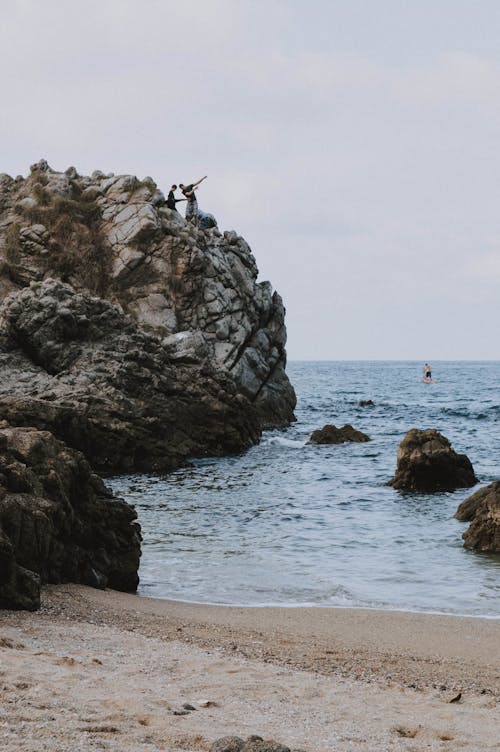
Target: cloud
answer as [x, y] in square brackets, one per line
[484, 268]
[355, 144]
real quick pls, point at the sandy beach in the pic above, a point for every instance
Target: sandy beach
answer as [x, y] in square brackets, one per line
[100, 670]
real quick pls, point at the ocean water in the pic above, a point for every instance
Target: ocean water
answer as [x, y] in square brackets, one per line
[292, 524]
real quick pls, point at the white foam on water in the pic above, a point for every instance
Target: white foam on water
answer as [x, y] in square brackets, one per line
[281, 441]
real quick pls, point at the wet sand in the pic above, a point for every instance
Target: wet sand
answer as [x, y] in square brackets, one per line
[106, 670]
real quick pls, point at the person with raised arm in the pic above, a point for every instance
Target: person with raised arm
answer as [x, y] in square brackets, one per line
[192, 204]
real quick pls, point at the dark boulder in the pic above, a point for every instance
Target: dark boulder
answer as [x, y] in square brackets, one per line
[58, 521]
[227, 744]
[482, 510]
[252, 744]
[332, 435]
[426, 461]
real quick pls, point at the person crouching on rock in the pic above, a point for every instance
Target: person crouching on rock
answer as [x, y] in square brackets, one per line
[171, 200]
[192, 203]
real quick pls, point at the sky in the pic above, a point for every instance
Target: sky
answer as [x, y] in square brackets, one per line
[355, 144]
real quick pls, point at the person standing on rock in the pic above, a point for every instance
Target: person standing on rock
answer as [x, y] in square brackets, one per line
[192, 204]
[171, 200]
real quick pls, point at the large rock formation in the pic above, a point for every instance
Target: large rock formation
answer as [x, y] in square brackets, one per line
[427, 462]
[58, 521]
[196, 291]
[77, 366]
[482, 510]
[130, 336]
[332, 435]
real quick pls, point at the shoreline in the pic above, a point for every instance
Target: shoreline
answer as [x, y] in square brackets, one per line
[98, 669]
[298, 606]
[409, 648]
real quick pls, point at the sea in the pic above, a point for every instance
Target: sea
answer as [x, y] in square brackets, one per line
[292, 524]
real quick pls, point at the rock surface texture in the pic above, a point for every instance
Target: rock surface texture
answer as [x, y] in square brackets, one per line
[75, 365]
[252, 744]
[58, 521]
[482, 510]
[132, 337]
[332, 435]
[195, 292]
[427, 462]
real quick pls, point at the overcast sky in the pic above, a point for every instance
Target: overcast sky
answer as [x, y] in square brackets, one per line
[354, 143]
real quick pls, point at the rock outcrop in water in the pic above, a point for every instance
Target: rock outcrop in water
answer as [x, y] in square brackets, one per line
[482, 510]
[332, 435]
[426, 461]
[75, 365]
[130, 336]
[195, 291]
[58, 521]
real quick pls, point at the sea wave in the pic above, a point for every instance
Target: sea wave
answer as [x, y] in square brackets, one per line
[283, 442]
[274, 526]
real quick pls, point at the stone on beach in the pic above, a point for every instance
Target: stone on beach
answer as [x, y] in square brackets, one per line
[330, 434]
[227, 744]
[482, 510]
[252, 744]
[426, 461]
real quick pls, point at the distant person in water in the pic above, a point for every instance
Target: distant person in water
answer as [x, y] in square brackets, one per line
[171, 200]
[192, 204]
[427, 373]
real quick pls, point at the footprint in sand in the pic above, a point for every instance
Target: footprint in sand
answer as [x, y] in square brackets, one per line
[410, 732]
[101, 729]
[67, 661]
[6, 642]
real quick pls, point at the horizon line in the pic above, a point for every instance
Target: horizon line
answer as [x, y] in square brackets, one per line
[392, 360]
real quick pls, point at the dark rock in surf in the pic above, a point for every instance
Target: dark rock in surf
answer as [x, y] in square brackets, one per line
[426, 461]
[58, 521]
[332, 435]
[482, 510]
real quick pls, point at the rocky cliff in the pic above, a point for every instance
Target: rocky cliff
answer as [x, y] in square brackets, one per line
[127, 337]
[195, 291]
